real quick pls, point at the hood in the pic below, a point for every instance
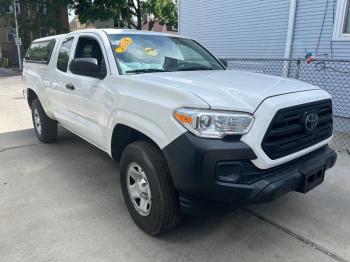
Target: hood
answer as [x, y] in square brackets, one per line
[229, 90]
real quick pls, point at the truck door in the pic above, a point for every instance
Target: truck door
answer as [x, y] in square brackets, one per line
[85, 95]
[57, 96]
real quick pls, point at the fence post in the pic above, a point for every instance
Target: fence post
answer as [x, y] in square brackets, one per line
[285, 69]
[297, 73]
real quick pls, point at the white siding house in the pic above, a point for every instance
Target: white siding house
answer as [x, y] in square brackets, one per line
[258, 28]
[315, 24]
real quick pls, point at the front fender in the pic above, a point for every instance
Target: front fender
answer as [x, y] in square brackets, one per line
[147, 108]
[160, 132]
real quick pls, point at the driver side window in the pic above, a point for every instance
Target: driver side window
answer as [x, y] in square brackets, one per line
[89, 48]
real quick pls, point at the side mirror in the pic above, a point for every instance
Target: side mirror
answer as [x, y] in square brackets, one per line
[224, 62]
[86, 67]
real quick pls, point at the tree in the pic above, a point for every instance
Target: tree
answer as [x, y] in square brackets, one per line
[93, 10]
[162, 11]
[38, 18]
[134, 13]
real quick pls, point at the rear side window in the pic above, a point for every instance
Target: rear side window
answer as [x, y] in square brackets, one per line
[63, 55]
[40, 51]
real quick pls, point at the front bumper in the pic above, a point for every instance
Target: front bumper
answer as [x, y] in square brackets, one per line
[199, 170]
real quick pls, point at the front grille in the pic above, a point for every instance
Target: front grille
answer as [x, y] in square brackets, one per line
[288, 134]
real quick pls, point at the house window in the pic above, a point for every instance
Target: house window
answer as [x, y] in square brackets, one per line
[118, 23]
[45, 31]
[346, 29]
[11, 33]
[342, 21]
[41, 7]
[9, 9]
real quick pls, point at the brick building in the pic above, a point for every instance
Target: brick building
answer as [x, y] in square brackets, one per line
[36, 18]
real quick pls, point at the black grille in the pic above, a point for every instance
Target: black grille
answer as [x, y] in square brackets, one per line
[287, 133]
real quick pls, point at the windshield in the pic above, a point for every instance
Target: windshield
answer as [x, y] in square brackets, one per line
[137, 53]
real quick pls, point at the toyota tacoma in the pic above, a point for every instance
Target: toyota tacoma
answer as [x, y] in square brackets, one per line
[191, 136]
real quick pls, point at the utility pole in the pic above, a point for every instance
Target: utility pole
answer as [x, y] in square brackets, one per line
[18, 41]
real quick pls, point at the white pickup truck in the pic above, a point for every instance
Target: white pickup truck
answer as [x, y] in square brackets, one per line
[191, 136]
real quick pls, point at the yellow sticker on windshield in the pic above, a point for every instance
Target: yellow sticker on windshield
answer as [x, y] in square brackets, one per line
[124, 43]
[151, 51]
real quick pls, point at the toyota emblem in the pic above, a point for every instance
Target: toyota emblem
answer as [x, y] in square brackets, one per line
[311, 122]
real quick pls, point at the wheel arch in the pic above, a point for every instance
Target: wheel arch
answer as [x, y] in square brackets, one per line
[31, 96]
[126, 126]
[123, 135]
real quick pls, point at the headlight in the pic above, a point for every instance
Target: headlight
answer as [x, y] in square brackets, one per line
[214, 124]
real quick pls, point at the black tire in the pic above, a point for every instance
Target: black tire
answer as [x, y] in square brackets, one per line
[165, 212]
[48, 131]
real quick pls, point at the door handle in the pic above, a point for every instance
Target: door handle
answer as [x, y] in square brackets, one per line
[70, 86]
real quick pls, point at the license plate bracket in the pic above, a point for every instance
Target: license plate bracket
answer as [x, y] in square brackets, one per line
[311, 179]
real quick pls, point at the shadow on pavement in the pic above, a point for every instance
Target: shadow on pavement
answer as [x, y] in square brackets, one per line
[8, 72]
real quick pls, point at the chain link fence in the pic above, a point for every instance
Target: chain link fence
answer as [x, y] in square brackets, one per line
[331, 75]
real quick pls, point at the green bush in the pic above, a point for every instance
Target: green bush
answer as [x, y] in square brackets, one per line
[4, 62]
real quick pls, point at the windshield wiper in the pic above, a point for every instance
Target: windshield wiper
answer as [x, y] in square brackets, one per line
[149, 70]
[195, 68]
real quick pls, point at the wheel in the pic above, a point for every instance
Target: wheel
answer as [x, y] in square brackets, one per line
[148, 191]
[45, 128]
